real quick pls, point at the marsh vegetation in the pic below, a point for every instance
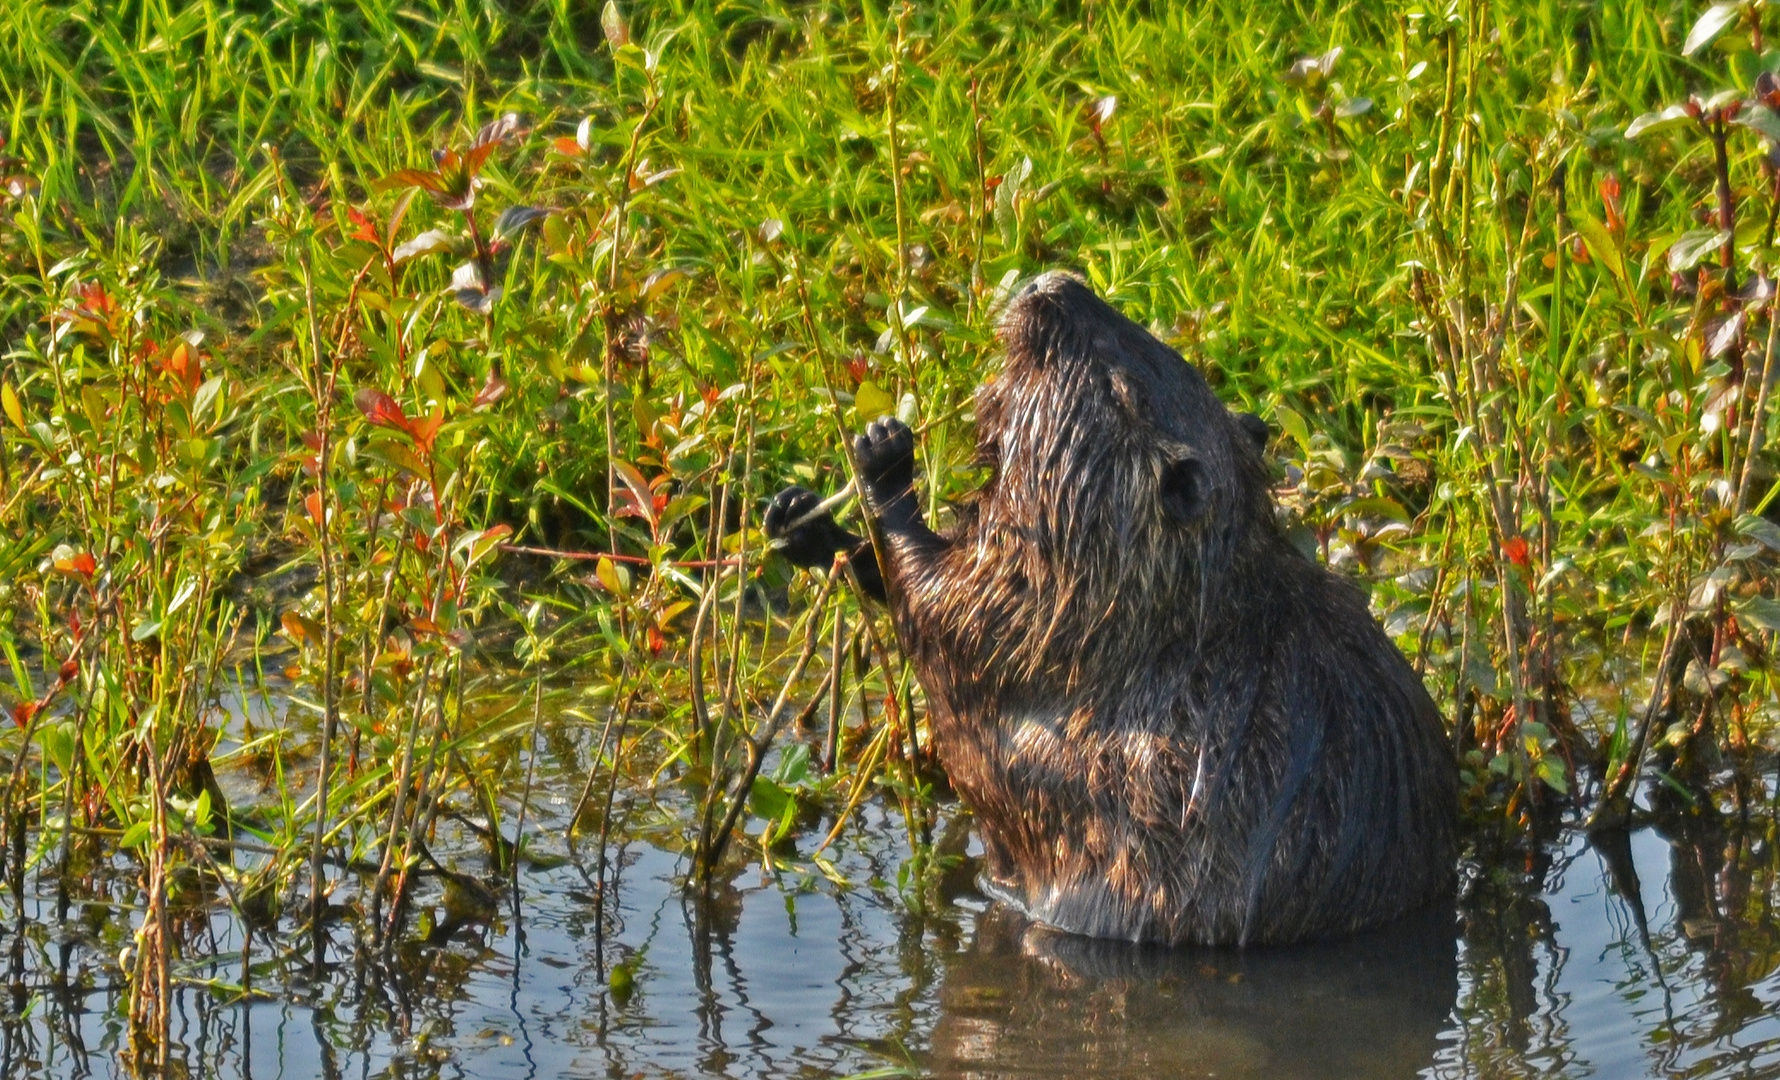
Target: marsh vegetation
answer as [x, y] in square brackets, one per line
[391, 392]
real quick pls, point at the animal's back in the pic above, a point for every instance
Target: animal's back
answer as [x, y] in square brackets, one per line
[1290, 782]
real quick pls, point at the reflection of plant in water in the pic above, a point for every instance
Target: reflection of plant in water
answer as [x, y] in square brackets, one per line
[387, 403]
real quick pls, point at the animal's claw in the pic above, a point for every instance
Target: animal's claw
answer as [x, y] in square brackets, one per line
[808, 543]
[787, 508]
[885, 457]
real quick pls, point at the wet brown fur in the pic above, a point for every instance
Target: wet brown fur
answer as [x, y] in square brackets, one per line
[1171, 725]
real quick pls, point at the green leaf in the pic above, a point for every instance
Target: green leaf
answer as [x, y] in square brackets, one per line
[1695, 245]
[622, 981]
[1759, 612]
[871, 402]
[1550, 771]
[9, 402]
[794, 766]
[1760, 529]
[1602, 247]
[907, 410]
[1760, 118]
[433, 240]
[1377, 506]
[396, 455]
[186, 589]
[767, 799]
[612, 22]
[1714, 22]
[1657, 121]
[613, 578]
[210, 392]
[1294, 425]
[514, 219]
[134, 836]
[58, 744]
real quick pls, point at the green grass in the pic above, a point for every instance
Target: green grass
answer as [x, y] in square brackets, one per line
[1526, 434]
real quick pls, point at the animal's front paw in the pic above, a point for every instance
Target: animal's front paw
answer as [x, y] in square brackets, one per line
[885, 457]
[806, 540]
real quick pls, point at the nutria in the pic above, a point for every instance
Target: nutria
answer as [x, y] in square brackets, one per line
[1171, 725]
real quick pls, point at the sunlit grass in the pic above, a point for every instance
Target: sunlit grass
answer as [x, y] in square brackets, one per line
[273, 406]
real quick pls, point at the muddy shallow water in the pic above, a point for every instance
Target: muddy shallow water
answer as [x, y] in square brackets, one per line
[1653, 955]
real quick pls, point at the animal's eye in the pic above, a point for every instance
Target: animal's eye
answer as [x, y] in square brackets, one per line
[1183, 490]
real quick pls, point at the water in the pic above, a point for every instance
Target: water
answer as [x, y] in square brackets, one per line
[1653, 956]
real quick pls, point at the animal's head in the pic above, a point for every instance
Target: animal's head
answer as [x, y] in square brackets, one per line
[1113, 458]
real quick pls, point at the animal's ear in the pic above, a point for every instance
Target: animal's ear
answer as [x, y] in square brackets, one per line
[1255, 427]
[1183, 489]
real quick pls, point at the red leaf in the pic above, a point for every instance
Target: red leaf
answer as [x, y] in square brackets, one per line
[313, 505]
[22, 713]
[380, 409]
[422, 431]
[183, 367]
[81, 564]
[300, 628]
[635, 499]
[477, 156]
[1515, 548]
[493, 389]
[1610, 202]
[430, 182]
[657, 641]
[567, 147]
[364, 230]
[70, 668]
[93, 311]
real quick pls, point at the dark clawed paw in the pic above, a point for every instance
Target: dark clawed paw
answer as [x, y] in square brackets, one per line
[808, 543]
[885, 456]
[787, 507]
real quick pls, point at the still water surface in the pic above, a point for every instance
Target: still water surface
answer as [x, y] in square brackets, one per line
[1655, 956]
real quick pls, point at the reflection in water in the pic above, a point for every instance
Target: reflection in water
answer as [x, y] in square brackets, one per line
[1025, 1001]
[1647, 953]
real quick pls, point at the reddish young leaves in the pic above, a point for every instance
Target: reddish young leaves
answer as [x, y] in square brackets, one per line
[424, 429]
[80, 565]
[93, 312]
[493, 389]
[380, 409]
[385, 411]
[452, 182]
[184, 367]
[362, 228]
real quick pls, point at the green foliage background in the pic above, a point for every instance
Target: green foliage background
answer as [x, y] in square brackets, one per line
[1512, 358]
